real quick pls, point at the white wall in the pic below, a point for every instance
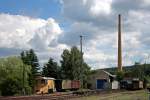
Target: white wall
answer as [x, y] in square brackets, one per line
[115, 85]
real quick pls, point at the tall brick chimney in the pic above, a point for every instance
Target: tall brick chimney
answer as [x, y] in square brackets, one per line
[119, 44]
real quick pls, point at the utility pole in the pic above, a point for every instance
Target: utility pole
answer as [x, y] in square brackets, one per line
[81, 66]
[23, 76]
[81, 48]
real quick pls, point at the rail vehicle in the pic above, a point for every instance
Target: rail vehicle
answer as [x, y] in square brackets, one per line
[63, 85]
[131, 84]
[45, 85]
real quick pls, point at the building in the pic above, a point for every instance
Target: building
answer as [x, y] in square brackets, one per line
[103, 80]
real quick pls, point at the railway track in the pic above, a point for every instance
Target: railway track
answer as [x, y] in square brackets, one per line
[61, 96]
[42, 97]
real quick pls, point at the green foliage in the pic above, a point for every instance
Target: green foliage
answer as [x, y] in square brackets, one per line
[71, 65]
[11, 86]
[128, 74]
[120, 75]
[65, 64]
[51, 69]
[29, 58]
[138, 71]
[11, 76]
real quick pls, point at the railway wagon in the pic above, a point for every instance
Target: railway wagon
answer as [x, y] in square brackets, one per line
[75, 84]
[136, 84]
[44, 85]
[66, 84]
[63, 85]
[132, 84]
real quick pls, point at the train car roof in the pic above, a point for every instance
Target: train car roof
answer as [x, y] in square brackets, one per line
[46, 78]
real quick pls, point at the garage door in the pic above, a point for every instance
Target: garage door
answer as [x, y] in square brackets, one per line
[100, 83]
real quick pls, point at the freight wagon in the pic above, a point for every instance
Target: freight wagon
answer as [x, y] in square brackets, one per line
[44, 85]
[63, 85]
[131, 84]
[75, 84]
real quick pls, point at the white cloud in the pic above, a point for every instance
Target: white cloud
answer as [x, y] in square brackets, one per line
[101, 7]
[138, 19]
[96, 19]
[23, 32]
[146, 2]
[46, 35]
[84, 10]
[18, 31]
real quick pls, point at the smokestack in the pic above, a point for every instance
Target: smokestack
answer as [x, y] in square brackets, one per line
[119, 44]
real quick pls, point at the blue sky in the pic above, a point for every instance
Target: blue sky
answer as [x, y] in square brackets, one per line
[34, 8]
[50, 26]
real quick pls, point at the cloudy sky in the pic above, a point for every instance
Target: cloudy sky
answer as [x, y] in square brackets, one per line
[50, 26]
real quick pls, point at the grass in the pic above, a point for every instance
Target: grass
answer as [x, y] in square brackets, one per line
[129, 95]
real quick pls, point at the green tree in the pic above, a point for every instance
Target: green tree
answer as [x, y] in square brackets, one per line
[65, 65]
[71, 65]
[11, 76]
[51, 69]
[30, 58]
[138, 71]
[11, 86]
[120, 75]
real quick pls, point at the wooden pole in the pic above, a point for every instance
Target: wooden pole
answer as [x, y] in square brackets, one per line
[81, 72]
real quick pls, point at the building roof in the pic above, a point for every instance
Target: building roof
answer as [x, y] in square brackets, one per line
[109, 73]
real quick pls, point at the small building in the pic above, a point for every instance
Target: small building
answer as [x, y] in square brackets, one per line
[44, 85]
[103, 80]
[115, 85]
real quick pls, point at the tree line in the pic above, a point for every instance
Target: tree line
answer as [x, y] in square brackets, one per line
[18, 73]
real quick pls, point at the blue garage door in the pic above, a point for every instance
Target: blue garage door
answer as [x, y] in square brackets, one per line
[100, 83]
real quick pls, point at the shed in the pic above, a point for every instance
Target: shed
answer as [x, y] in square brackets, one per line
[103, 80]
[115, 84]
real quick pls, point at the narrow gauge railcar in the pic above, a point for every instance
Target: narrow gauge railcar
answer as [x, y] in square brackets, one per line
[137, 84]
[63, 85]
[44, 85]
[131, 84]
[75, 84]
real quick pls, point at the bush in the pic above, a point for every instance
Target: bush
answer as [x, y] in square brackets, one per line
[28, 90]
[10, 87]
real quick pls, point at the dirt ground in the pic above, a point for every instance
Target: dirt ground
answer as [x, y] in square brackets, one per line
[129, 95]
